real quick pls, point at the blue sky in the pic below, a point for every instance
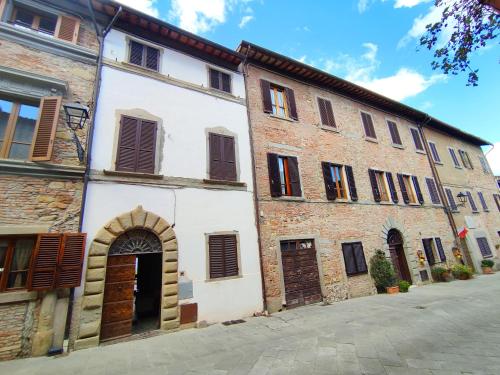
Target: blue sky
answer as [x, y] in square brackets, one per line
[370, 42]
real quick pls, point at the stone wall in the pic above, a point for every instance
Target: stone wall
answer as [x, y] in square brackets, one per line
[332, 223]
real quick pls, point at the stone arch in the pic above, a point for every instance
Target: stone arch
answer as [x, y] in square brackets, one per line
[89, 324]
[410, 254]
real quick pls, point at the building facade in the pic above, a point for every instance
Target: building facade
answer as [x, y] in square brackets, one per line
[48, 54]
[340, 172]
[170, 218]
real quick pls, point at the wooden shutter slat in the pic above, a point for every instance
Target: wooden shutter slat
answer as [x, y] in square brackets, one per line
[420, 196]
[216, 168]
[393, 130]
[471, 202]
[431, 185]
[70, 263]
[274, 175]
[45, 129]
[482, 200]
[434, 152]
[67, 29]
[292, 107]
[216, 256]
[330, 187]
[402, 186]
[392, 187]
[322, 111]
[367, 120]
[451, 200]
[359, 257]
[349, 261]
[43, 268]
[229, 158]
[266, 96]
[329, 114]
[146, 147]
[293, 169]
[427, 242]
[126, 159]
[350, 181]
[416, 139]
[454, 157]
[440, 249]
[373, 181]
[230, 256]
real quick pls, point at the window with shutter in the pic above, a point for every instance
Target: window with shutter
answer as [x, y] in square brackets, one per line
[496, 197]
[367, 121]
[454, 158]
[67, 28]
[267, 94]
[404, 189]
[136, 145]
[145, 56]
[431, 186]
[378, 184]
[418, 192]
[354, 258]
[43, 267]
[408, 189]
[15, 259]
[69, 270]
[326, 112]
[284, 176]
[220, 80]
[334, 181]
[451, 200]
[429, 252]
[393, 130]
[465, 159]
[290, 97]
[484, 165]
[440, 249]
[273, 166]
[45, 129]
[222, 157]
[223, 256]
[434, 152]
[293, 169]
[483, 201]
[484, 247]
[471, 202]
[350, 181]
[417, 141]
[392, 188]
[43, 23]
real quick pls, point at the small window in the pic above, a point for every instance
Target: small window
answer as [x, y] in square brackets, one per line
[433, 192]
[354, 258]
[379, 187]
[483, 201]
[145, 56]
[223, 256]
[454, 158]
[409, 189]
[465, 159]
[326, 112]
[434, 152]
[279, 101]
[222, 157]
[417, 141]
[42, 23]
[17, 128]
[15, 256]
[339, 180]
[220, 80]
[393, 130]
[451, 200]
[367, 121]
[484, 247]
[284, 176]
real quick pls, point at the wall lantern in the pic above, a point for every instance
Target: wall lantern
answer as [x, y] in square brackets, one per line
[76, 116]
[462, 198]
[421, 258]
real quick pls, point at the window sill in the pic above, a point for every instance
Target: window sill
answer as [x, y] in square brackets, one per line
[289, 198]
[420, 152]
[132, 174]
[339, 200]
[17, 296]
[386, 203]
[458, 167]
[329, 128]
[270, 115]
[221, 92]
[224, 278]
[130, 65]
[395, 145]
[357, 274]
[438, 162]
[224, 182]
[370, 139]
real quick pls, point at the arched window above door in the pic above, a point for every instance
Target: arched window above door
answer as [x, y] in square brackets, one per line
[136, 241]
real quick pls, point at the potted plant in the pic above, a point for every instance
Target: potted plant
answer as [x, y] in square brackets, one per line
[440, 274]
[383, 274]
[461, 272]
[404, 286]
[487, 266]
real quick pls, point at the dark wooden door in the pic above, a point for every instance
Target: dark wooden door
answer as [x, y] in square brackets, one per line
[301, 275]
[399, 262]
[118, 306]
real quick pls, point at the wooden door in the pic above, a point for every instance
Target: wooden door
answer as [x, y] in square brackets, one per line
[399, 262]
[301, 276]
[118, 306]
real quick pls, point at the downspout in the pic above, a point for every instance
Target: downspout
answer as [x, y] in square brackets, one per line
[440, 190]
[255, 198]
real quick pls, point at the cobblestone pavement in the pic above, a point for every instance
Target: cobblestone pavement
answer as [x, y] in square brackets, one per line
[448, 328]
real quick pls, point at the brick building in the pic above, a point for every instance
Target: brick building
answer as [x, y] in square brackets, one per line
[48, 53]
[340, 172]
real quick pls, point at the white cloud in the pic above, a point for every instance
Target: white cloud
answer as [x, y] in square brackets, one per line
[408, 3]
[494, 159]
[362, 5]
[198, 16]
[244, 21]
[144, 6]
[426, 105]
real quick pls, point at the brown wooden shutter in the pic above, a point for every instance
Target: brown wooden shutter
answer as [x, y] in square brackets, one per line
[393, 129]
[367, 120]
[349, 261]
[416, 139]
[67, 29]
[420, 197]
[127, 144]
[266, 96]
[483, 201]
[427, 242]
[293, 169]
[352, 184]
[392, 187]
[216, 256]
[229, 158]
[216, 168]
[330, 187]
[292, 107]
[230, 256]
[43, 268]
[69, 271]
[431, 185]
[359, 256]
[136, 53]
[326, 112]
[440, 249]
[147, 146]
[222, 157]
[373, 181]
[152, 58]
[471, 202]
[404, 192]
[451, 200]
[45, 129]
[274, 175]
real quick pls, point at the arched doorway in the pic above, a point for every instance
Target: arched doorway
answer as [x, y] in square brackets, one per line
[132, 289]
[398, 257]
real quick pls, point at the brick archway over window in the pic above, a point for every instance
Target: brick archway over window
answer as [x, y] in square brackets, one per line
[89, 323]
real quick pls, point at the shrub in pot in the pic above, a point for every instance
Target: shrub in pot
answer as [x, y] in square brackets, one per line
[461, 272]
[382, 272]
[487, 266]
[404, 286]
[440, 273]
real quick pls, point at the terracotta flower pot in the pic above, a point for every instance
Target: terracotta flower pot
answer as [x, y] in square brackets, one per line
[392, 289]
[487, 270]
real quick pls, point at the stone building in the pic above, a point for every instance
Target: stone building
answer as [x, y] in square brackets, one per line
[340, 172]
[48, 54]
[169, 213]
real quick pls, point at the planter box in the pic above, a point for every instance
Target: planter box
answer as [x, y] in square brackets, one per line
[392, 289]
[487, 270]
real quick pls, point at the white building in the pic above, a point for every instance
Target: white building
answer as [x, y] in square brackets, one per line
[171, 195]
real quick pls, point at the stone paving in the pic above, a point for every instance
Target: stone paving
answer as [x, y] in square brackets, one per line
[442, 329]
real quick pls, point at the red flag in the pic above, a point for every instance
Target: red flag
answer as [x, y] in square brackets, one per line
[463, 232]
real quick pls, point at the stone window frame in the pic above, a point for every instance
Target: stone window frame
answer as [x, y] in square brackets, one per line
[365, 137]
[222, 70]
[236, 233]
[160, 139]
[317, 243]
[221, 130]
[129, 38]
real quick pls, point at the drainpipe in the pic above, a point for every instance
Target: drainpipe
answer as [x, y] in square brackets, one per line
[255, 199]
[441, 192]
